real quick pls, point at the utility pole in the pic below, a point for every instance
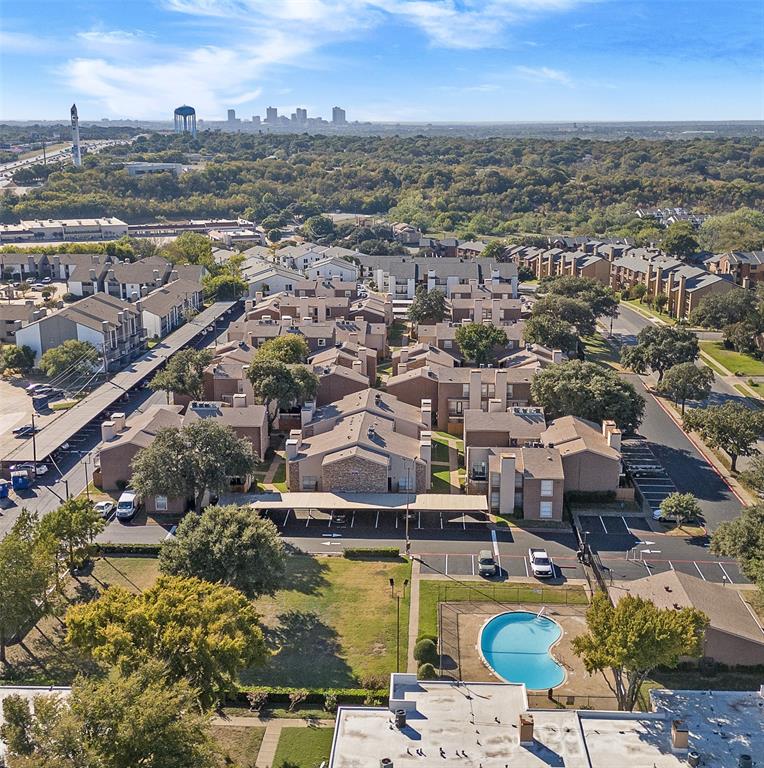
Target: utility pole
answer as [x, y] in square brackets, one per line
[34, 445]
[397, 596]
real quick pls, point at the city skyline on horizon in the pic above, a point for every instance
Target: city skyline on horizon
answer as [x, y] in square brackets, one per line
[398, 61]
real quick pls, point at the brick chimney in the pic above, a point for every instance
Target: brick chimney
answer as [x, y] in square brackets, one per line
[526, 730]
[680, 736]
[426, 411]
[475, 393]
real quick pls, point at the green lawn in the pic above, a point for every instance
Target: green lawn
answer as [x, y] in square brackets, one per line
[130, 572]
[238, 745]
[598, 350]
[439, 451]
[279, 478]
[303, 747]
[333, 624]
[736, 362]
[433, 592]
[441, 481]
[638, 306]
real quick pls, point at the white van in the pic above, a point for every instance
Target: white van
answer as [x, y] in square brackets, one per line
[127, 506]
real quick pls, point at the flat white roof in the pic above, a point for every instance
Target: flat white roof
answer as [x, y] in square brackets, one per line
[424, 502]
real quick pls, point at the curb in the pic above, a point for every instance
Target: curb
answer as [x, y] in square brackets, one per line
[701, 447]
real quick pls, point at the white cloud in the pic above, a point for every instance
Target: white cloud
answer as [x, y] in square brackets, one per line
[545, 74]
[20, 42]
[133, 73]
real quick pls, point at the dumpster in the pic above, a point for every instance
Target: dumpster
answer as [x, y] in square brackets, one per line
[20, 480]
[4, 489]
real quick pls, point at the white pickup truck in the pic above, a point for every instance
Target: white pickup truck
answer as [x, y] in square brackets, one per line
[541, 564]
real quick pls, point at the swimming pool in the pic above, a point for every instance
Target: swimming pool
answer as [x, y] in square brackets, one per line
[515, 645]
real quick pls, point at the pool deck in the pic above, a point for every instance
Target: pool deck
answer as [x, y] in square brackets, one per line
[463, 621]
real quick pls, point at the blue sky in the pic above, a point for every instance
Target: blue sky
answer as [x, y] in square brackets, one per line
[420, 60]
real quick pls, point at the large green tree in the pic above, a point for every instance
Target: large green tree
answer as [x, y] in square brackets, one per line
[550, 332]
[317, 228]
[480, 342]
[71, 357]
[427, 306]
[189, 248]
[122, 720]
[626, 642]
[589, 391]
[25, 574]
[730, 427]
[680, 240]
[191, 461]
[290, 350]
[205, 633]
[74, 525]
[600, 298]
[496, 250]
[574, 311]
[660, 347]
[183, 374]
[722, 309]
[686, 381]
[278, 385]
[13, 358]
[743, 539]
[680, 507]
[741, 230]
[232, 545]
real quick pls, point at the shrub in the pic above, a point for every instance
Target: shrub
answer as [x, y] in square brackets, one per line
[372, 553]
[425, 651]
[426, 672]
[70, 297]
[297, 697]
[434, 638]
[330, 701]
[257, 700]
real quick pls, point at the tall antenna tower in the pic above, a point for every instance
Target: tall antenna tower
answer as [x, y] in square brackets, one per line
[76, 153]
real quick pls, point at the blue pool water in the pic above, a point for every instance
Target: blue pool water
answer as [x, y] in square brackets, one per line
[516, 646]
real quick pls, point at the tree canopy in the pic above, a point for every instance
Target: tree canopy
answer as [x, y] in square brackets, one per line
[189, 248]
[626, 642]
[719, 310]
[480, 342]
[183, 374]
[140, 718]
[204, 633]
[232, 545]
[74, 524]
[680, 240]
[427, 306]
[71, 357]
[743, 539]
[599, 298]
[687, 381]
[680, 507]
[589, 391]
[191, 461]
[731, 427]
[660, 347]
[550, 332]
[290, 350]
[13, 358]
[741, 230]
[278, 385]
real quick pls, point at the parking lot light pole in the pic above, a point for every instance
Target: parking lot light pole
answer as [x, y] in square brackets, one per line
[398, 596]
[85, 461]
[408, 491]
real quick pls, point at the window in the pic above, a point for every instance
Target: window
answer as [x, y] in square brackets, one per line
[545, 509]
[510, 391]
[321, 342]
[465, 390]
[447, 344]
[547, 487]
[160, 503]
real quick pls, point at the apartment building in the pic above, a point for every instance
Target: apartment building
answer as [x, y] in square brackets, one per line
[131, 280]
[266, 278]
[335, 287]
[481, 306]
[14, 317]
[745, 268]
[368, 442]
[62, 230]
[348, 355]
[300, 257]
[417, 356]
[443, 336]
[453, 391]
[333, 266]
[280, 306]
[24, 266]
[555, 263]
[114, 327]
[169, 306]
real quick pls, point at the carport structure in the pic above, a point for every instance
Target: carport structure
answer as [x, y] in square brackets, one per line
[450, 507]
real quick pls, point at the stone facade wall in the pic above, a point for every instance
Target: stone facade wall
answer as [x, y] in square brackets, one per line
[355, 475]
[293, 476]
[423, 479]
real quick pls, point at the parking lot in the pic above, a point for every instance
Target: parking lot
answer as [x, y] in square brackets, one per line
[647, 472]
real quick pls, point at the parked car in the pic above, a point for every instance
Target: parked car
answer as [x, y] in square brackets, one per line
[339, 518]
[541, 564]
[127, 506]
[486, 564]
[46, 280]
[40, 469]
[26, 431]
[104, 508]
[34, 388]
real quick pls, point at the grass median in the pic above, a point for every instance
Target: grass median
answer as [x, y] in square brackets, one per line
[735, 362]
[303, 747]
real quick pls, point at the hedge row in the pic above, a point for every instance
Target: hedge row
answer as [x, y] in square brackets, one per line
[372, 553]
[129, 549]
[280, 695]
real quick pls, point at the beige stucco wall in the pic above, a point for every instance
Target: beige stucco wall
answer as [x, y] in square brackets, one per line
[590, 472]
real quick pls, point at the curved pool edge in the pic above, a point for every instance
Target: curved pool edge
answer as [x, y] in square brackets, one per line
[484, 661]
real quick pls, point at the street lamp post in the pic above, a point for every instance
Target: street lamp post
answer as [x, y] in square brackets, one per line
[397, 596]
[85, 462]
[408, 488]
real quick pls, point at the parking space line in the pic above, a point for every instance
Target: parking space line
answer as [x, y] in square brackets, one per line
[352, 519]
[726, 575]
[671, 565]
[604, 527]
[330, 521]
[525, 563]
[626, 524]
[396, 519]
[472, 560]
[307, 520]
[419, 519]
[645, 563]
[699, 571]
[445, 568]
[376, 522]
[441, 521]
[287, 517]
